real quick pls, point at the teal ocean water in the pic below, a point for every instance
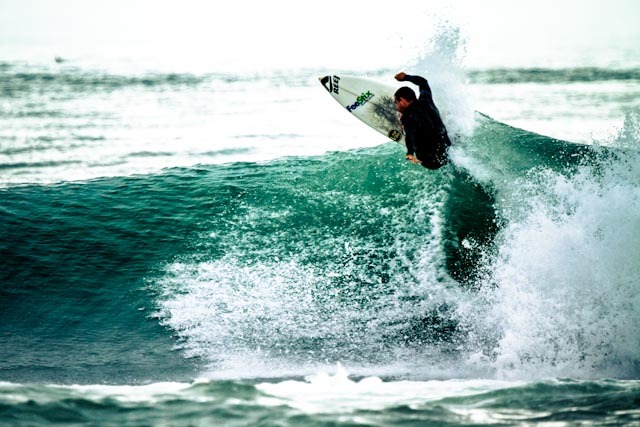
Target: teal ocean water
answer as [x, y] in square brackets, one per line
[233, 249]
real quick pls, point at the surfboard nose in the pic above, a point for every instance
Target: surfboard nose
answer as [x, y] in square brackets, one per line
[326, 82]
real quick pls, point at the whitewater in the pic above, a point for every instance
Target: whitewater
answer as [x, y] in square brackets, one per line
[233, 249]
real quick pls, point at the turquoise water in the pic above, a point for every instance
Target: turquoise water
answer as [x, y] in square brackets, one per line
[233, 249]
[368, 402]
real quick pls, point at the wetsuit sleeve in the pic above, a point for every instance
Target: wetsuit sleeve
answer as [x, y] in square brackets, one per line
[422, 83]
[408, 139]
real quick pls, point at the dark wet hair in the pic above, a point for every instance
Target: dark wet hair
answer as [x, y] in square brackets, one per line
[406, 93]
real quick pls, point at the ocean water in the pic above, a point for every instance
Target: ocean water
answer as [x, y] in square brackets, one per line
[226, 248]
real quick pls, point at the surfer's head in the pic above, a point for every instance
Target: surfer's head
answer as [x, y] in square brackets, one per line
[403, 98]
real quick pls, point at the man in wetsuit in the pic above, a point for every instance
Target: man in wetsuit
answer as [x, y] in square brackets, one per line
[425, 134]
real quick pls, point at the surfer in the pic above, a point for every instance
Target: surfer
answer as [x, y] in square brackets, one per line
[425, 134]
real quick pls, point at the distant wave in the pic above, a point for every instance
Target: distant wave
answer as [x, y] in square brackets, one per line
[24, 165]
[549, 75]
[13, 84]
[19, 78]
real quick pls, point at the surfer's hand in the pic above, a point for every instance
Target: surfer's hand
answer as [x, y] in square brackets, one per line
[413, 158]
[400, 77]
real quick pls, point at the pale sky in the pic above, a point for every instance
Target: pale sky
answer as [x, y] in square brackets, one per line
[330, 32]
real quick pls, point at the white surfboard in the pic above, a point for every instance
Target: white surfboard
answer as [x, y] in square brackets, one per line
[368, 100]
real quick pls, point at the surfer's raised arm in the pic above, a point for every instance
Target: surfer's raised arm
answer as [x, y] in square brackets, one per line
[421, 82]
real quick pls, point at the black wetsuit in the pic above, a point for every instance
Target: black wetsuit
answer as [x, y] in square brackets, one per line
[425, 134]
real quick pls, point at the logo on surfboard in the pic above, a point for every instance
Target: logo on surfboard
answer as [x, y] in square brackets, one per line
[361, 100]
[331, 83]
[395, 135]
